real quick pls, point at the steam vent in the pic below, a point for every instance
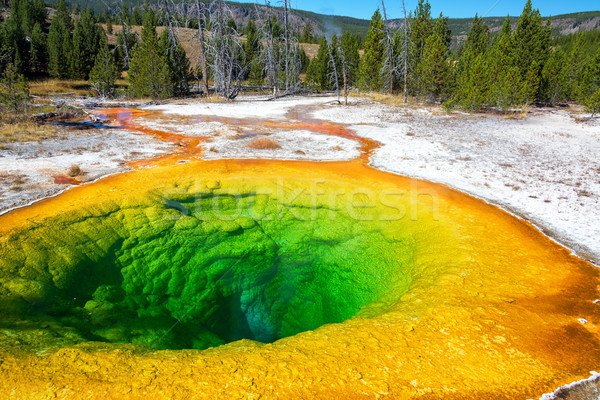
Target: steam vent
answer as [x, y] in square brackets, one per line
[251, 279]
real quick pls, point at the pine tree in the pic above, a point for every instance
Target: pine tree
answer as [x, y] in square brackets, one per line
[178, 63]
[86, 43]
[575, 67]
[590, 85]
[136, 16]
[14, 91]
[434, 65]
[317, 74]
[507, 88]
[372, 61]
[62, 15]
[104, 73]
[532, 42]
[472, 76]
[15, 44]
[252, 49]
[149, 74]
[60, 43]
[421, 28]
[109, 27]
[478, 38]
[593, 103]
[350, 45]
[475, 94]
[39, 51]
[441, 29]
[307, 34]
[126, 41]
[554, 78]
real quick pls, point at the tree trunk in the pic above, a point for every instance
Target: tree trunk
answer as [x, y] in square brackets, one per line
[405, 91]
[389, 50]
[202, 48]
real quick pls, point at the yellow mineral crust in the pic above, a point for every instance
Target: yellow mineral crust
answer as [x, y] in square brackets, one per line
[495, 309]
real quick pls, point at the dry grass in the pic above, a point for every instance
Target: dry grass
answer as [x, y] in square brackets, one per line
[74, 171]
[396, 100]
[26, 131]
[263, 144]
[337, 148]
[56, 86]
[516, 115]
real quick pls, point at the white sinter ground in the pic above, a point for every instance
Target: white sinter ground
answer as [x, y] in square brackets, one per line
[26, 169]
[243, 107]
[227, 139]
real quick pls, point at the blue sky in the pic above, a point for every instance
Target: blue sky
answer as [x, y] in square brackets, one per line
[455, 9]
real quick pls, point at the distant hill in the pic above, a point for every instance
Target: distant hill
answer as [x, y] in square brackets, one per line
[330, 24]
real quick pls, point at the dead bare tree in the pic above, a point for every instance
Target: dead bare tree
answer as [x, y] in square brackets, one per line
[126, 35]
[334, 71]
[224, 52]
[344, 71]
[286, 42]
[202, 44]
[405, 55]
[269, 56]
[388, 66]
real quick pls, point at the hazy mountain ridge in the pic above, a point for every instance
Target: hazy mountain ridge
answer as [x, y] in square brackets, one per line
[330, 24]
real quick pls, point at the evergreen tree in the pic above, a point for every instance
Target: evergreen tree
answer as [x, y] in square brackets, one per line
[62, 15]
[252, 49]
[531, 49]
[60, 43]
[350, 45]
[126, 41]
[554, 78]
[478, 38]
[472, 75]
[372, 61]
[307, 34]
[507, 88]
[136, 16]
[39, 51]
[104, 73]
[441, 29]
[434, 66]
[474, 95]
[15, 44]
[575, 67]
[125, 17]
[590, 84]
[149, 74]
[304, 60]
[27, 13]
[593, 103]
[317, 74]
[14, 91]
[178, 64]
[421, 28]
[109, 27]
[86, 44]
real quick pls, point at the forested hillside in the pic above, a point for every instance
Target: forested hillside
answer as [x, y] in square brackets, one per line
[524, 63]
[330, 24]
